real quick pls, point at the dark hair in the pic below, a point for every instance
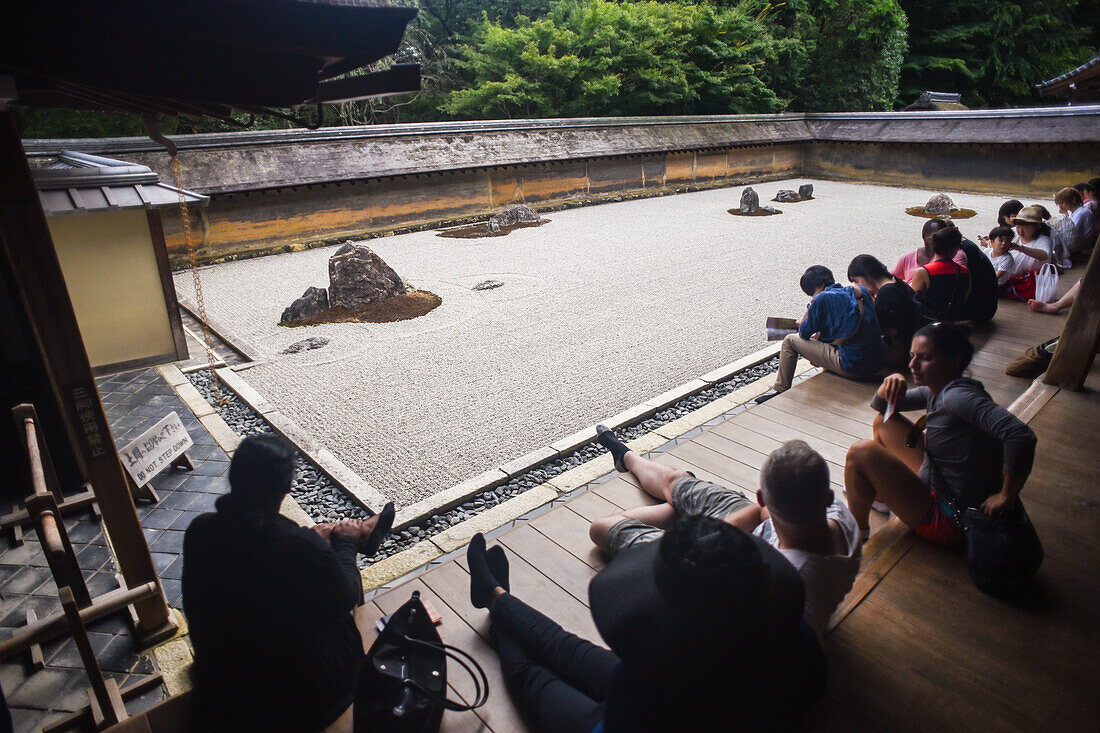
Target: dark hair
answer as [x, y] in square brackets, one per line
[1001, 231]
[946, 242]
[950, 339]
[260, 475]
[1008, 208]
[816, 276]
[795, 483]
[932, 226]
[1095, 183]
[1082, 187]
[708, 553]
[867, 266]
[1044, 211]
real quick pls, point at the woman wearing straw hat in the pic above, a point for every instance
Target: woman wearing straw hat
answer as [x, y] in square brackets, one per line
[1033, 240]
[705, 632]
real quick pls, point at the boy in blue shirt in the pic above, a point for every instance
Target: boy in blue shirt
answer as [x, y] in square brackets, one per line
[839, 332]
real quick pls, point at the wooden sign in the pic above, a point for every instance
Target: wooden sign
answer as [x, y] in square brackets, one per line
[156, 449]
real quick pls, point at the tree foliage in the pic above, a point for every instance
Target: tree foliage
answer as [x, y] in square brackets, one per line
[608, 58]
[993, 51]
[855, 50]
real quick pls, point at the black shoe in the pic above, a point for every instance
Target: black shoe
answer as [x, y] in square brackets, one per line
[766, 396]
[606, 437]
[381, 530]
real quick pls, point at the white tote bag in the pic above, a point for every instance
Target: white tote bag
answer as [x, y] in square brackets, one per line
[1046, 282]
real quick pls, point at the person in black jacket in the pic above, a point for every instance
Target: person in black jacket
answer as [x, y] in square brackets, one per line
[894, 307]
[269, 604]
[705, 628]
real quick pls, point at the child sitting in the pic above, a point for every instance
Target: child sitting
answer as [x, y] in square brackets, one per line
[1003, 263]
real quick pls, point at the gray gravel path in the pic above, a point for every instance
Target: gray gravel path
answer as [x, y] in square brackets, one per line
[603, 308]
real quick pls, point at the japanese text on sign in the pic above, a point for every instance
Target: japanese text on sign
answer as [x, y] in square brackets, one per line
[155, 449]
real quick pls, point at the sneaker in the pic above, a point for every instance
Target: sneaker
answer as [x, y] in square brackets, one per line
[880, 506]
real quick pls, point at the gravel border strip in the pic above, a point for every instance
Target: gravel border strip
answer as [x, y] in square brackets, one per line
[324, 501]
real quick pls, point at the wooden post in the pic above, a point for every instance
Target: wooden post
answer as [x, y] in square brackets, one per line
[40, 286]
[1076, 349]
[104, 697]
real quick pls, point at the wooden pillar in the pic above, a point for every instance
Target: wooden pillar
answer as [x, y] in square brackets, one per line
[1077, 345]
[40, 287]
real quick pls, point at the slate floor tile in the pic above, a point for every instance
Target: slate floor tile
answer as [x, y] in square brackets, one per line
[161, 518]
[170, 541]
[93, 557]
[178, 499]
[40, 689]
[175, 570]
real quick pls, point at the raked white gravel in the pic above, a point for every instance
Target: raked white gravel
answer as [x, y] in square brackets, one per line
[603, 308]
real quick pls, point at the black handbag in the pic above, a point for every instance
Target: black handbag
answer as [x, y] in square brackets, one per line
[403, 686]
[1003, 551]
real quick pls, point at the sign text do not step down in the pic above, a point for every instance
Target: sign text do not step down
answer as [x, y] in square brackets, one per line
[156, 449]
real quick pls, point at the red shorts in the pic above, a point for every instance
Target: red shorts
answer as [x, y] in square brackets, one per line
[938, 527]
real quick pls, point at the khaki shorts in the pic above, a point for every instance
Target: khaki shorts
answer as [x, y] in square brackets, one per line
[689, 496]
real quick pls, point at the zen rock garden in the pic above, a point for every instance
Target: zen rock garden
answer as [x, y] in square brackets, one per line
[362, 288]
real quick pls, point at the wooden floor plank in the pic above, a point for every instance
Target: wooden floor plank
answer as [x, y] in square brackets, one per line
[569, 530]
[556, 563]
[856, 429]
[623, 492]
[730, 472]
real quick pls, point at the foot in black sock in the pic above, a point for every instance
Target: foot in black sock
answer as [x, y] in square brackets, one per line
[607, 438]
[381, 530]
[482, 580]
[498, 565]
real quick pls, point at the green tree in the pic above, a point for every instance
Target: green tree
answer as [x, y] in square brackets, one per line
[993, 51]
[854, 55]
[609, 58]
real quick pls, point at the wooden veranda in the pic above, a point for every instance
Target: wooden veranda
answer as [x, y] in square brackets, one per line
[915, 646]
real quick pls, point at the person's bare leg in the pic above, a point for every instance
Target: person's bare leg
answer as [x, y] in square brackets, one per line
[871, 470]
[1057, 306]
[655, 478]
[892, 434]
[660, 516]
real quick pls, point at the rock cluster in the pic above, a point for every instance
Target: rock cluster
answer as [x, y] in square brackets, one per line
[939, 204]
[750, 201]
[787, 196]
[357, 276]
[489, 285]
[313, 301]
[511, 217]
[806, 190]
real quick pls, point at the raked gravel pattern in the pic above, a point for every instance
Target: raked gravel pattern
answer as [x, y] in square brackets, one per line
[324, 502]
[601, 309]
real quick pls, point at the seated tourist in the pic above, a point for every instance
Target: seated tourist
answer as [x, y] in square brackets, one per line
[1033, 243]
[981, 303]
[974, 452]
[894, 307]
[1006, 215]
[908, 264]
[839, 332]
[705, 633]
[943, 285]
[795, 511]
[999, 243]
[269, 604]
[1071, 205]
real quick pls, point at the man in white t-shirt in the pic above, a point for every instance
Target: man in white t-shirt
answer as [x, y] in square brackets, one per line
[795, 511]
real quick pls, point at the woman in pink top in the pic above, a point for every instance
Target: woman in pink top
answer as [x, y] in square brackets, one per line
[910, 263]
